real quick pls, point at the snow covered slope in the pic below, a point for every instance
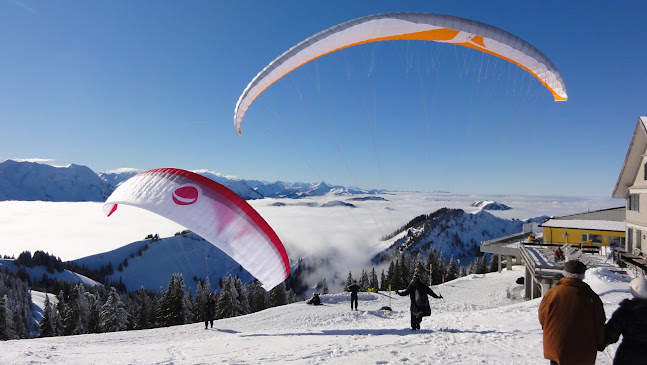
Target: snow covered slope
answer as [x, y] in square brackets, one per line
[481, 320]
[151, 263]
[34, 181]
[37, 272]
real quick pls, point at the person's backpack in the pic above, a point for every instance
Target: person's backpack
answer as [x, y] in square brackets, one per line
[422, 302]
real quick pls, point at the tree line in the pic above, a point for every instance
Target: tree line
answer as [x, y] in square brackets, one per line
[433, 269]
[80, 309]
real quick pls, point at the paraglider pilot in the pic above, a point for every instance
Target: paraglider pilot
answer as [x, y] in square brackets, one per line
[353, 289]
[418, 291]
[209, 310]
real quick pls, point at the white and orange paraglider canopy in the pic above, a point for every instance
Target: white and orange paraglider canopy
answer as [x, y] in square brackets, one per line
[212, 211]
[406, 26]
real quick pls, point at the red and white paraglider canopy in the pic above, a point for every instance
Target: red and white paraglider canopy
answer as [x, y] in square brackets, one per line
[212, 211]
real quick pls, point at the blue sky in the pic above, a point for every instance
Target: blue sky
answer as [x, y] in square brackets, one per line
[149, 84]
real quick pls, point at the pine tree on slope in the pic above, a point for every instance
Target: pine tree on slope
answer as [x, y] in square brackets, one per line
[113, 316]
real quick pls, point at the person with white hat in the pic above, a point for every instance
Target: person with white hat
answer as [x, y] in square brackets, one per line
[630, 321]
[572, 317]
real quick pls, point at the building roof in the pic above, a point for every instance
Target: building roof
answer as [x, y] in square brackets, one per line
[631, 166]
[596, 225]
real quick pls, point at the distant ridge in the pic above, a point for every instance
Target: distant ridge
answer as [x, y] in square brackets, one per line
[31, 181]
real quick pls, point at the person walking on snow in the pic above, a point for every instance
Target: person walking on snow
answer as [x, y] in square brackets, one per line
[353, 289]
[630, 321]
[572, 318]
[418, 291]
[209, 311]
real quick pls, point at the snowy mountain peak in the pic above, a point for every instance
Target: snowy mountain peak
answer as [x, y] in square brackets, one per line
[35, 181]
[452, 232]
[490, 205]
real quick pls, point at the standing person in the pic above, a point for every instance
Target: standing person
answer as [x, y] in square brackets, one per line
[353, 289]
[630, 321]
[572, 317]
[209, 310]
[418, 292]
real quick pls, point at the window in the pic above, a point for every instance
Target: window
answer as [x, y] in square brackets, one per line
[639, 235]
[616, 241]
[633, 202]
[645, 170]
[630, 239]
[594, 238]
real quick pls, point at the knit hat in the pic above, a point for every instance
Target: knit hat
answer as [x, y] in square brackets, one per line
[574, 269]
[639, 287]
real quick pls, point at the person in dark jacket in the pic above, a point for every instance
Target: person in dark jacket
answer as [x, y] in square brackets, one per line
[209, 310]
[315, 300]
[418, 291]
[353, 289]
[630, 321]
[572, 317]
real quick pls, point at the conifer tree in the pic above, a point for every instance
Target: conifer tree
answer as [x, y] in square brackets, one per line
[372, 280]
[363, 281]
[58, 317]
[6, 321]
[241, 291]
[349, 280]
[113, 316]
[226, 305]
[199, 303]
[481, 265]
[405, 270]
[383, 282]
[452, 269]
[142, 310]
[419, 267]
[396, 279]
[278, 296]
[463, 271]
[390, 276]
[188, 307]
[434, 263]
[494, 263]
[77, 312]
[259, 297]
[46, 326]
[443, 267]
[172, 304]
[94, 320]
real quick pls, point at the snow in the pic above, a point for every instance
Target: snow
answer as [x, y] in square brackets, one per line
[38, 272]
[481, 320]
[585, 224]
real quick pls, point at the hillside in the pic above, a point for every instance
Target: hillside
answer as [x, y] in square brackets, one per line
[34, 181]
[480, 320]
[150, 263]
[38, 272]
[454, 232]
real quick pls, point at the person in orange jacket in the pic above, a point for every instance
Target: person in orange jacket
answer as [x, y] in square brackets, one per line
[572, 317]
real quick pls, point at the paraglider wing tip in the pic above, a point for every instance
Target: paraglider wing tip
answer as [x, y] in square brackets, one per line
[112, 210]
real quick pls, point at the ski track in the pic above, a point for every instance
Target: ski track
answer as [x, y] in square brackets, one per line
[477, 322]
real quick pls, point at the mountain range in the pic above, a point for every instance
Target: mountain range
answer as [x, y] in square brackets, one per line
[31, 181]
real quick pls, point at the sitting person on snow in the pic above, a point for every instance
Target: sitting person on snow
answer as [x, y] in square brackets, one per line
[315, 300]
